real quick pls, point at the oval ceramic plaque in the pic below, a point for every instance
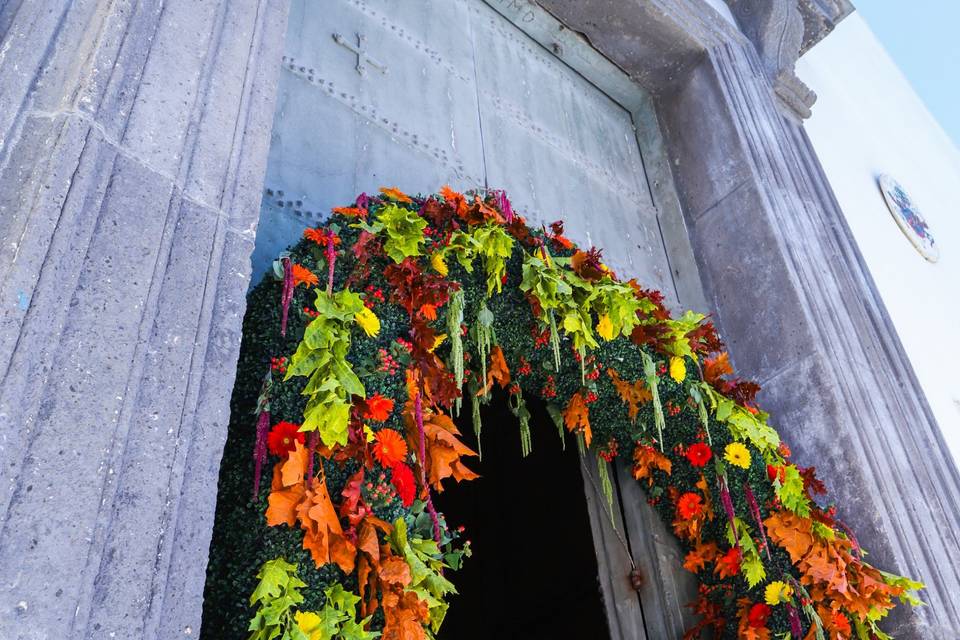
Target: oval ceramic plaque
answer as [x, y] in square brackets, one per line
[908, 217]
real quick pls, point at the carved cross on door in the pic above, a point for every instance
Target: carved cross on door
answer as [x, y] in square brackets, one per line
[361, 53]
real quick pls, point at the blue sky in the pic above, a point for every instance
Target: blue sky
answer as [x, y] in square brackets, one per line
[922, 37]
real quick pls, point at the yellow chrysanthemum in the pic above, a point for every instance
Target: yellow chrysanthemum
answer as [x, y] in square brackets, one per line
[777, 592]
[369, 433]
[368, 321]
[737, 455]
[605, 327]
[439, 264]
[309, 624]
[678, 370]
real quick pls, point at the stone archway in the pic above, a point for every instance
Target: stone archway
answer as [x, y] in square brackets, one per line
[134, 146]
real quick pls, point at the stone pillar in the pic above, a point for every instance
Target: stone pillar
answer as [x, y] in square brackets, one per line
[133, 142]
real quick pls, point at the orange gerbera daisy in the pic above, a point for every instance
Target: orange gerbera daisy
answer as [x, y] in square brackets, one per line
[389, 448]
[319, 236]
[689, 505]
[378, 408]
[302, 275]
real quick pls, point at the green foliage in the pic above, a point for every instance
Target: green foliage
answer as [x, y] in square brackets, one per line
[494, 246]
[337, 620]
[744, 425]
[426, 563]
[322, 357]
[276, 596]
[404, 232]
[454, 321]
[791, 491]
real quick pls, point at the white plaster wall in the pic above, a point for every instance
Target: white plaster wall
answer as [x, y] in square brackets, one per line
[867, 121]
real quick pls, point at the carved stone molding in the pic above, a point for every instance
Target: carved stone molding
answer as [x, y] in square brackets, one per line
[819, 19]
[777, 29]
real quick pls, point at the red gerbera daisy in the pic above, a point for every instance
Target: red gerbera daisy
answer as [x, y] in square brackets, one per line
[283, 438]
[390, 448]
[404, 483]
[699, 454]
[378, 408]
[689, 505]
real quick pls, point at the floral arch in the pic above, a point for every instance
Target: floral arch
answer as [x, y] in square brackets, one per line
[401, 312]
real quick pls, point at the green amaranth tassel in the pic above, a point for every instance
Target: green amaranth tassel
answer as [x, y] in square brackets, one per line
[582, 352]
[519, 408]
[454, 320]
[606, 486]
[554, 340]
[477, 422]
[485, 337]
[702, 410]
[650, 371]
[557, 416]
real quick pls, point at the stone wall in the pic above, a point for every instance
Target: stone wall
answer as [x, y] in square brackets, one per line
[133, 138]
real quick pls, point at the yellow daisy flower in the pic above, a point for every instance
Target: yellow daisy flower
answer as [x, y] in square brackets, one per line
[605, 327]
[777, 592]
[310, 624]
[678, 370]
[439, 264]
[368, 321]
[737, 455]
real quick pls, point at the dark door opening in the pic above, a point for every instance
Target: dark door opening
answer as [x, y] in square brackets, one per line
[533, 573]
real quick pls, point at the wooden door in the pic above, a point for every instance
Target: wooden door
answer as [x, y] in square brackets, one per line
[491, 93]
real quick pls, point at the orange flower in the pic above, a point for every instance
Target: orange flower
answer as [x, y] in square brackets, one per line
[395, 194]
[302, 275]
[689, 505]
[351, 212]
[320, 236]
[378, 408]
[841, 623]
[429, 311]
[390, 448]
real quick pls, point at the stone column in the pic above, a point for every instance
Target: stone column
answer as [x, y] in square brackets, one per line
[133, 142]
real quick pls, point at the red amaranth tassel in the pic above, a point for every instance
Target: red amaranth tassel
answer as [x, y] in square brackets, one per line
[287, 296]
[331, 261]
[503, 203]
[728, 509]
[796, 628]
[418, 414]
[260, 449]
[755, 512]
[853, 540]
[312, 443]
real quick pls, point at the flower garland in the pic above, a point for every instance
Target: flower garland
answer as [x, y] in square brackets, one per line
[433, 302]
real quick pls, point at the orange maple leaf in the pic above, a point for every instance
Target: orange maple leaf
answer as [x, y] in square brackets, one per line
[700, 555]
[454, 199]
[716, 367]
[791, 532]
[395, 194]
[576, 416]
[646, 459]
[634, 395]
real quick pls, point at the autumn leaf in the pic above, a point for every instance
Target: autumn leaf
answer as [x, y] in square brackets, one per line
[715, 368]
[323, 536]
[700, 555]
[295, 466]
[633, 394]
[646, 459]
[282, 502]
[791, 532]
[576, 417]
[497, 371]
[395, 194]
[444, 449]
